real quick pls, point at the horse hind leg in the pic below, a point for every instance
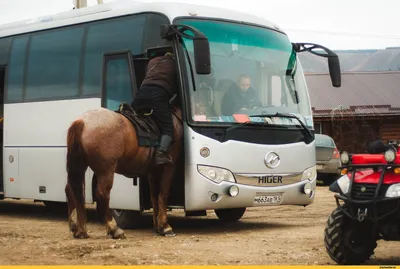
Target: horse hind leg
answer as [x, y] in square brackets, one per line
[74, 191]
[76, 167]
[76, 210]
[72, 216]
[103, 190]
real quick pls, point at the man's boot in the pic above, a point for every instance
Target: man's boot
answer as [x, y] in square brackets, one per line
[162, 155]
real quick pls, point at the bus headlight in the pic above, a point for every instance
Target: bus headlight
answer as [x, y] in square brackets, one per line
[344, 183]
[390, 155]
[393, 191]
[216, 174]
[309, 173]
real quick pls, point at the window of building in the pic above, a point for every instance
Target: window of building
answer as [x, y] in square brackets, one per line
[318, 127]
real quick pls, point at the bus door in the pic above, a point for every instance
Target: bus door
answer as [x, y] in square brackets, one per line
[118, 85]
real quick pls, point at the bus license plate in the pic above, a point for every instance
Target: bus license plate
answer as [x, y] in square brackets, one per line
[320, 167]
[268, 199]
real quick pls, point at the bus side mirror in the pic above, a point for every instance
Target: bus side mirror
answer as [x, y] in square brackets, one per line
[202, 56]
[201, 45]
[334, 71]
[333, 59]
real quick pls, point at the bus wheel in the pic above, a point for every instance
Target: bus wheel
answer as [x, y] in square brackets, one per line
[230, 214]
[56, 207]
[348, 242]
[127, 219]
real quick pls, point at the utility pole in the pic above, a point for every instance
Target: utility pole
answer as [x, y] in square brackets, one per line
[80, 3]
[83, 3]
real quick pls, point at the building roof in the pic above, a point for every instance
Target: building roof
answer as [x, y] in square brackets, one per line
[361, 93]
[125, 7]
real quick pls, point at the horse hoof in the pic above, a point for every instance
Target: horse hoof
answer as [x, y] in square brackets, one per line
[166, 232]
[72, 227]
[169, 234]
[119, 234]
[81, 235]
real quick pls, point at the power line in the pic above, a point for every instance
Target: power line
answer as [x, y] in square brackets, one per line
[344, 34]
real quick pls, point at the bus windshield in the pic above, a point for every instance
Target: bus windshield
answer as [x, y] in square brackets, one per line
[254, 71]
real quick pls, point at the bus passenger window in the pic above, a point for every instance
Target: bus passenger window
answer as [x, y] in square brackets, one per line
[118, 87]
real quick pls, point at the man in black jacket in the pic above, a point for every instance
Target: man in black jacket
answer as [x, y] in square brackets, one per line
[240, 96]
[156, 91]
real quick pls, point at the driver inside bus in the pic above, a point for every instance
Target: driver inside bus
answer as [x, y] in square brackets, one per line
[239, 97]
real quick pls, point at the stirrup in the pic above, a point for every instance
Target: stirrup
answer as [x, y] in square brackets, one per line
[165, 158]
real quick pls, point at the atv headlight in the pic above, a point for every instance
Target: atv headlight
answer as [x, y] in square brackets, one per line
[310, 173]
[216, 174]
[393, 191]
[390, 155]
[344, 157]
[344, 183]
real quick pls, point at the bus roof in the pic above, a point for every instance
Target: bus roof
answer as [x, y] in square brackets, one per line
[126, 7]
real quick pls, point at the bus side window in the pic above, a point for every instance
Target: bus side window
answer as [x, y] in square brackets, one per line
[111, 35]
[118, 81]
[276, 91]
[14, 87]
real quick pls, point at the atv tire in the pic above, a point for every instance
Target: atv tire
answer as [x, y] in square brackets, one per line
[337, 230]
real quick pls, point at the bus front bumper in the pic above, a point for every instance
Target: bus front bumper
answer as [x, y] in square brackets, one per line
[203, 194]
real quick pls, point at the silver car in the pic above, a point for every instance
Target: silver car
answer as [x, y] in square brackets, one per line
[328, 158]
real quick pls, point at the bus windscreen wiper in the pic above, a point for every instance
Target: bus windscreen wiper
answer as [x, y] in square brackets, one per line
[242, 124]
[227, 130]
[309, 135]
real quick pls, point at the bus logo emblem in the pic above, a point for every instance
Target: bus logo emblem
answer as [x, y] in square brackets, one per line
[272, 159]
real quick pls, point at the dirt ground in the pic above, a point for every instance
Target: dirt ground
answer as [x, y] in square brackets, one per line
[287, 235]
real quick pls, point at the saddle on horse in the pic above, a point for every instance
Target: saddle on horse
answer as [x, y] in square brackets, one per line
[146, 129]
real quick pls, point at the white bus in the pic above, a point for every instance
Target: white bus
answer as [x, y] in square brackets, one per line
[259, 153]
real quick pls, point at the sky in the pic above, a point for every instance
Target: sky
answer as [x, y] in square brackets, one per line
[337, 24]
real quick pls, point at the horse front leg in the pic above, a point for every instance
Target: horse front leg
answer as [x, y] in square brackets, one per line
[165, 185]
[154, 190]
[104, 185]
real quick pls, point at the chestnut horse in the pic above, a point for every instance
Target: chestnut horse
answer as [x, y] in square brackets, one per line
[107, 142]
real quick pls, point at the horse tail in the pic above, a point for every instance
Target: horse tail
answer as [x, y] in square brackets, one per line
[76, 163]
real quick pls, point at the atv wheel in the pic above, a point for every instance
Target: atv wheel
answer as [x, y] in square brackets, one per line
[348, 242]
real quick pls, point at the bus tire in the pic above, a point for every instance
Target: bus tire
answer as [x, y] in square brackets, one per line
[127, 219]
[56, 207]
[337, 231]
[230, 214]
